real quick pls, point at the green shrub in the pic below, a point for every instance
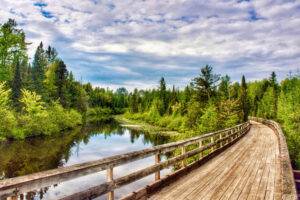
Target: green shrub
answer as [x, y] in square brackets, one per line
[63, 118]
[7, 123]
[37, 119]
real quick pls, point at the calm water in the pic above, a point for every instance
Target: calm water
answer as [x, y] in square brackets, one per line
[25, 157]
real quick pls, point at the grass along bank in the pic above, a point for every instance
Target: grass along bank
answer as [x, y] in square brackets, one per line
[137, 124]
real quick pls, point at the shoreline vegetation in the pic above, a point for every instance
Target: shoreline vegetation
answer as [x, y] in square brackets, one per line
[42, 97]
[143, 126]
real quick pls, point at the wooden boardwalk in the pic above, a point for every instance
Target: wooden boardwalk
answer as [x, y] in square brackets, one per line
[249, 169]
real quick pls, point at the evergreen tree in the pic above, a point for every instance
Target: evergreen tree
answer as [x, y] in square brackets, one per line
[51, 54]
[163, 95]
[244, 99]
[39, 69]
[224, 87]
[273, 80]
[134, 102]
[186, 97]
[16, 85]
[274, 84]
[205, 84]
[61, 81]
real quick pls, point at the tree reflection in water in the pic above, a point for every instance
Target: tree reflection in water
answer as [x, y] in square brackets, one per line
[44, 153]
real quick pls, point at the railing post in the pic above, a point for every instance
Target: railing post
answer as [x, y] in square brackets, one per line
[212, 140]
[157, 160]
[221, 142]
[183, 162]
[201, 153]
[109, 177]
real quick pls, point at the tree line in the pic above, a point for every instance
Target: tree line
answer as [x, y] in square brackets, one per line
[43, 97]
[211, 102]
[208, 103]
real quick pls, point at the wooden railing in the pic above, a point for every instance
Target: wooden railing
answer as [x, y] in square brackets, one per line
[204, 146]
[288, 182]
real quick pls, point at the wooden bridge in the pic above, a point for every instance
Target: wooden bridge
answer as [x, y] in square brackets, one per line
[248, 161]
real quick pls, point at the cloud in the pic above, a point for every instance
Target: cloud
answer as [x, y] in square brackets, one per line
[134, 43]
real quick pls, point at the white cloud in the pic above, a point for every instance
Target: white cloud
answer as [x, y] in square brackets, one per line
[156, 38]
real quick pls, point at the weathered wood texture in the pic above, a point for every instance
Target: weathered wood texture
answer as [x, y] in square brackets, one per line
[250, 169]
[288, 182]
[35, 181]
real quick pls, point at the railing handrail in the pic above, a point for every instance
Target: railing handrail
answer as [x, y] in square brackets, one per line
[50, 177]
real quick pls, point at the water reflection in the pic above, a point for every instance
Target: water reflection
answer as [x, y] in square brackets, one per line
[77, 146]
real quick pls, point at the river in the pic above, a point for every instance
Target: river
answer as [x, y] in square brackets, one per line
[81, 145]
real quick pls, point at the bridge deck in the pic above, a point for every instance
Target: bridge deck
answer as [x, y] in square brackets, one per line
[250, 169]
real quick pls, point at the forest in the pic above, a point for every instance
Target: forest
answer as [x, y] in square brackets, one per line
[42, 97]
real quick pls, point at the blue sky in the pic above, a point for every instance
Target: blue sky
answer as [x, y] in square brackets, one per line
[133, 43]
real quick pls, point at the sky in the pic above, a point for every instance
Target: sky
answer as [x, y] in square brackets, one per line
[133, 43]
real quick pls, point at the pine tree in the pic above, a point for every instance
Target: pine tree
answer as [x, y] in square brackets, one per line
[38, 69]
[205, 84]
[224, 87]
[134, 102]
[51, 54]
[244, 99]
[163, 95]
[61, 81]
[276, 89]
[16, 85]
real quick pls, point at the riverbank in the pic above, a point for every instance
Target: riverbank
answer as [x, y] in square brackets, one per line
[143, 126]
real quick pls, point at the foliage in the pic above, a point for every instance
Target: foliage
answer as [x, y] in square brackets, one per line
[244, 99]
[16, 85]
[12, 47]
[202, 107]
[43, 98]
[4, 96]
[8, 121]
[267, 107]
[37, 120]
[209, 120]
[289, 116]
[38, 69]
[205, 84]
[98, 115]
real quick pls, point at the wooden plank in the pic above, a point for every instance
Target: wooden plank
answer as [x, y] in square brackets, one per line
[237, 184]
[216, 187]
[270, 193]
[243, 191]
